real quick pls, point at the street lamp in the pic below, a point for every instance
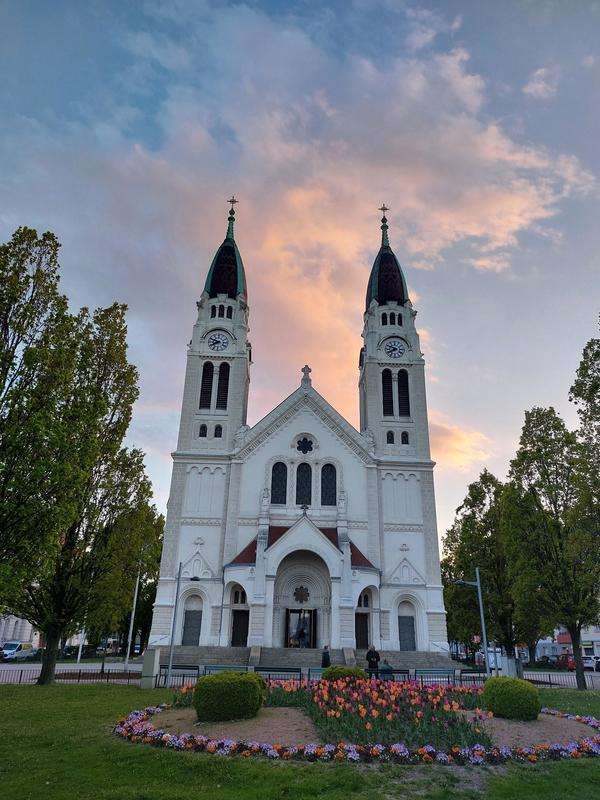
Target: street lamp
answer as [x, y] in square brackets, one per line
[172, 645]
[476, 584]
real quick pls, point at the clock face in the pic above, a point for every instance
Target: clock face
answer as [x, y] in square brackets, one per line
[218, 341]
[395, 348]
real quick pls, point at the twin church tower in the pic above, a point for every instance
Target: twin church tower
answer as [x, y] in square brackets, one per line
[302, 531]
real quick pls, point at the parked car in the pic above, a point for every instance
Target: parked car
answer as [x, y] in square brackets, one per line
[590, 662]
[17, 651]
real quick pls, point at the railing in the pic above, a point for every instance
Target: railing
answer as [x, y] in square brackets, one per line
[29, 675]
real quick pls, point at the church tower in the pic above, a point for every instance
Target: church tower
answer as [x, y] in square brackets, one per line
[217, 378]
[393, 405]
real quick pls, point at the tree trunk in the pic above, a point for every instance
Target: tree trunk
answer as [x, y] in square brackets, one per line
[575, 634]
[531, 649]
[52, 639]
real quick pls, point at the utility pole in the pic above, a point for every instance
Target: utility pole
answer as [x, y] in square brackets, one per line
[476, 584]
[135, 597]
[171, 646]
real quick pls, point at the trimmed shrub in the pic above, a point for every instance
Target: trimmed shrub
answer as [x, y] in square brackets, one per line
[335, 673]
[229, 695]
[511, 698]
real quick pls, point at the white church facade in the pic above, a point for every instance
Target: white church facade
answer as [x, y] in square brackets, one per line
[302, 530]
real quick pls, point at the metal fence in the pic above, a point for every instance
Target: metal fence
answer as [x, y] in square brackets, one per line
[29, 675]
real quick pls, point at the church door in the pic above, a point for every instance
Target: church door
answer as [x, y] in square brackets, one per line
[239, 631]
[406, 630]
[192, 623]
[361, 631]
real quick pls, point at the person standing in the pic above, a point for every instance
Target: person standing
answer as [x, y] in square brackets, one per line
[373, 659]
[325, 657]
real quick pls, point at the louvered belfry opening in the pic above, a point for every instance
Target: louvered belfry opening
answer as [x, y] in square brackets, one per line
[206, 385]
[223, 386]
[403, 394]
[388, 398]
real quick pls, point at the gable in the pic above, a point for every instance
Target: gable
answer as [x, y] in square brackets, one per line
[406, 574]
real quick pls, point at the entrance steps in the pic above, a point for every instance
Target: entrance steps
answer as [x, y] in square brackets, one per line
[200, 656]
[296, 657]
[413, 659]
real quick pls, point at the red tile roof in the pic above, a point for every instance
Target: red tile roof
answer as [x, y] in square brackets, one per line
[248, 554]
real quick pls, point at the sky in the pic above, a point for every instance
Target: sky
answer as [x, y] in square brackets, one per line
[125, 127]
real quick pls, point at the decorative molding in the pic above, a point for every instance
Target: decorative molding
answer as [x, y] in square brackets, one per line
[359, 523]
[403, 527]
[248, 521]
[406, 574]
[200, 521]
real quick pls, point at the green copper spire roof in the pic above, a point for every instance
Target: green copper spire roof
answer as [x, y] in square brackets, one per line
[386, 282]
[226, 274]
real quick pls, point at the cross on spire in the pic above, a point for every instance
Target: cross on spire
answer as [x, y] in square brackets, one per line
[231, 217]
[306, 381]
[385, 242]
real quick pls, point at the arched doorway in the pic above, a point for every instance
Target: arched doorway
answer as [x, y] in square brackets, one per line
[362, 620]
[192, 621]
[407, 635]
[240, 616]
[302, 601]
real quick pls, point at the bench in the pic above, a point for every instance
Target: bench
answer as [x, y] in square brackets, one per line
[437, 675]
[193, 668]
[214, 669]
[394, 675]
[280, 673]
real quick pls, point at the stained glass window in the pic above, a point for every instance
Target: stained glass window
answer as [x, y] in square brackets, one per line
[279, 483]
[303, 485]
[304, 445]
[328, 485]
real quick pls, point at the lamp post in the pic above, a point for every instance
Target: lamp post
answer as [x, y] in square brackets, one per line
[476, 584]
[172, 644]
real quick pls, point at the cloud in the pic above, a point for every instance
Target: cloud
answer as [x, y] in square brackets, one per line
[543, 83]
[425, 26]
[455, 447]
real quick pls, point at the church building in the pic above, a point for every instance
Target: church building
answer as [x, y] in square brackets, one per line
[301, 530]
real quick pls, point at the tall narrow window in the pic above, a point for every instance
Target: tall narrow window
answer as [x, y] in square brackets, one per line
[392, 318]
[390, 437]
[223, 386]
[229, 312]
[328, 485]
[404, 438]
[303, 485]
[384, 319]
[221, 311]
[386, 388]
[403, 395]
[279, 483]
[218, 431]
[203, 430]
[206, 385]
[399, 319]
[213, 311]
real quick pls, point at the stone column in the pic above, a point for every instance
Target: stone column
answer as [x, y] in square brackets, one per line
[268, 624]
[335, 614]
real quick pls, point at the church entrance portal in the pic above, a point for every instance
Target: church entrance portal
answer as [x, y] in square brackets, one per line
[361, 630]
[301, 627]
[239, 630]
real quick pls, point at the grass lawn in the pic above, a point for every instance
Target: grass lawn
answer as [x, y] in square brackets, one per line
[55, 744]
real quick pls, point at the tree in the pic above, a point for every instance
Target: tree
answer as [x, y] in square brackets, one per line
[462, 612]
[94, 555]
[35, 328]
[475, 541]
[550, 525]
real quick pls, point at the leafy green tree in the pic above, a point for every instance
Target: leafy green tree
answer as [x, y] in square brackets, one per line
[462, 613]
[35, 366]
[94, 555]
[550, 526]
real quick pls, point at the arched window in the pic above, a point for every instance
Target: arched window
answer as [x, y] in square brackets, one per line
[384, 319]
[218, 431]
[203, 431]
[399, 320]
[390, 437]
[279, 483]
[239, 597]
[404, 437]
[363, 600]
[229, 312]
[386, 389]
[392, 318]
[403, 395]
[206, 385]
[303, 484]
[213, 311]
[328, 485]
[223, 385]
[221, 311]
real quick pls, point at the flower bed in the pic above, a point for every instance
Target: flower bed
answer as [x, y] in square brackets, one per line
[324, 700]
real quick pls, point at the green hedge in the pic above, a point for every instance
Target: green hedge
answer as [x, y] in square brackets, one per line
[229, 695]
[511, 698]
[335, 673]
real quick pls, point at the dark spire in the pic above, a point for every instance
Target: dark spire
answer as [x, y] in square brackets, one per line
[226, 274]
[386, 282]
